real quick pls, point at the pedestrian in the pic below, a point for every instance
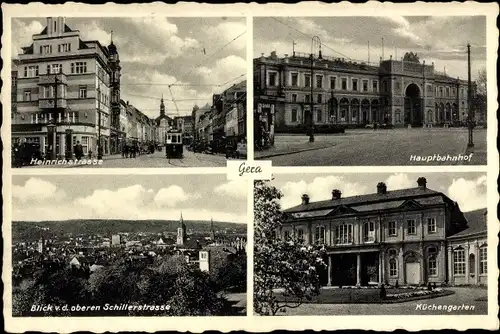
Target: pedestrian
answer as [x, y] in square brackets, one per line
[78, 150]
[90, 154]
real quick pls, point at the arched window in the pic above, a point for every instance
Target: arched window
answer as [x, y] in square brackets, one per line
[432, 265]
[393, 267]
[344, 107]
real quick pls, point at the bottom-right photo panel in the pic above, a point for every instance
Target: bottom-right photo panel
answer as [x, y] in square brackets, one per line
[371, 244]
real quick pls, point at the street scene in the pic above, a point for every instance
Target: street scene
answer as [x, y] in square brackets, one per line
[347, 91]
[115, 246]
[365, 244]
[128, 92]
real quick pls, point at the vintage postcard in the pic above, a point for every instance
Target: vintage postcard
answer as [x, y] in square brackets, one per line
[140, 195]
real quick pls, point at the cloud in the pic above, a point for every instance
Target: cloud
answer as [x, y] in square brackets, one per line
[319, 189]
[224, 69]
[399, 181]
[171, 196]
[224, 33]
[37, 190]
[234, 188]
[22, 33]
[470, 194]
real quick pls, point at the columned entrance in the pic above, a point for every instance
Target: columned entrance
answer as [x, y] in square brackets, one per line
[413, 106]
[353, 269]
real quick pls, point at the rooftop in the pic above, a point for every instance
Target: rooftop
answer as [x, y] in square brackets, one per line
[476, 224]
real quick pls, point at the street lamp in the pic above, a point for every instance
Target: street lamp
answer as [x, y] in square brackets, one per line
[314, 41]
[469, 102]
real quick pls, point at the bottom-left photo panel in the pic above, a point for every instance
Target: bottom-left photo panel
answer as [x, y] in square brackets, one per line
[123, 245]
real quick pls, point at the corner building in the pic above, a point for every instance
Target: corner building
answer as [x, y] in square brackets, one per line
[58, 60]
[411, 236]
[396, 92]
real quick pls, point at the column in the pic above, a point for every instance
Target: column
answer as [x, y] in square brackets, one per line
[42, 144]
[441, 265]
[467, 264]
[382, 261]
[358, 269]
[401, 267]
[423, 260]
[450, 265]
[62, 145]
[370, 118]
[478, 261]
[329, 270]
[380, 281]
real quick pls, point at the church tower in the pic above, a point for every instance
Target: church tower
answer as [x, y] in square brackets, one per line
[181, 232]
[114, 66]
[162, 107]
[212, 230]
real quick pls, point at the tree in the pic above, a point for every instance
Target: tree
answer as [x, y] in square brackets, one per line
[410, 56]
[481, 81]
[479, 98]
[286, 265]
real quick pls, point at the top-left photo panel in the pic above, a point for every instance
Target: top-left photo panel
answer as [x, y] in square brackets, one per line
[128, 92]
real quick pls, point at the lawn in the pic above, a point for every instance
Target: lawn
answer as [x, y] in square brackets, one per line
[364, 296]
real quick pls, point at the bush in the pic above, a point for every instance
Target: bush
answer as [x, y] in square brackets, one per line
[302, 129]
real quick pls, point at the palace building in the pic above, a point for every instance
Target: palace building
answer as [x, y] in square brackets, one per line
[349, 93]
[407, 237]
[61, 76]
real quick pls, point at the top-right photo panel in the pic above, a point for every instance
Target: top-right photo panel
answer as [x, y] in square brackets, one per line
[370, 91]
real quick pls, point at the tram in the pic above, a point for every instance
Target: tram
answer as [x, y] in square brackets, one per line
[174, 144]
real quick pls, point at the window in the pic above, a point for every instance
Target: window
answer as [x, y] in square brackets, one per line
[295, 79]
[54, 68]
[33, 140]
[483, 257]
[386, 86]
[294, 98]
[294, 115]
[273, 79]
[412, 226]
[344, 84]
[459, 262]
[287, 235]
[30, 71]
[307, 98]
[375, 85]
[431, 225]
[392, 228]
[447, 91]
[34, 118]
[307, 80]
[46, 49]
[365, 85]
[319, 81]
[369, 232]
[355, 85]
[82, 93]
[66, 47]
[432, 265]
[429, 89]
[319, 116]
[320, 98]
[78, 67]
[441, 91]
[397, 115]
[393, 267]
[333, 82]
[300, 234]
[343, 234]
[319, 235]
[27, 95]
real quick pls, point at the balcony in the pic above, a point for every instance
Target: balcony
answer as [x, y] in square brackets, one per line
[50, 79]
[49, 103]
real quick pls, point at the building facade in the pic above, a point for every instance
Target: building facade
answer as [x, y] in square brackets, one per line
[396, 92]
[163, 123]
[407, 237]
[65, 81]
[117, 136]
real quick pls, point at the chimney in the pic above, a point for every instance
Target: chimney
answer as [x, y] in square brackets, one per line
[422, 183]
[381, 188]
[305, 199]
[336, 194]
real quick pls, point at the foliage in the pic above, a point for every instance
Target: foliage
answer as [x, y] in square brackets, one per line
[481, 81]
[280, 265]
[410, 56]
[232, 276]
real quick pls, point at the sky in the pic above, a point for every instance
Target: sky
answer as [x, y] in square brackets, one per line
[198, 197]
[160, 50]
[468, 189]
[439, 39]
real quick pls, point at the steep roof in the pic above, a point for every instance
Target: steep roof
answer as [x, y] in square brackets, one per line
[475, 222]
[369, 202]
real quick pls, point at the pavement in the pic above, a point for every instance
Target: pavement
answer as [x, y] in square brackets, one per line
[155, 160]
[468, 296]
[367, 147]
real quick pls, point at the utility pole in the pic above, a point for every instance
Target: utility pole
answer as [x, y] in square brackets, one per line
[469, 101]
[52, 127]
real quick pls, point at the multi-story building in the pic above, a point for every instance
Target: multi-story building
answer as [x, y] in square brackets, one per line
[231, 126]
[124, 121]
[397, 92]
[234, 107]
[63, 80]
[410, 236]
[13, 94]
[163, 123]
[203, 123]
[185, 124]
